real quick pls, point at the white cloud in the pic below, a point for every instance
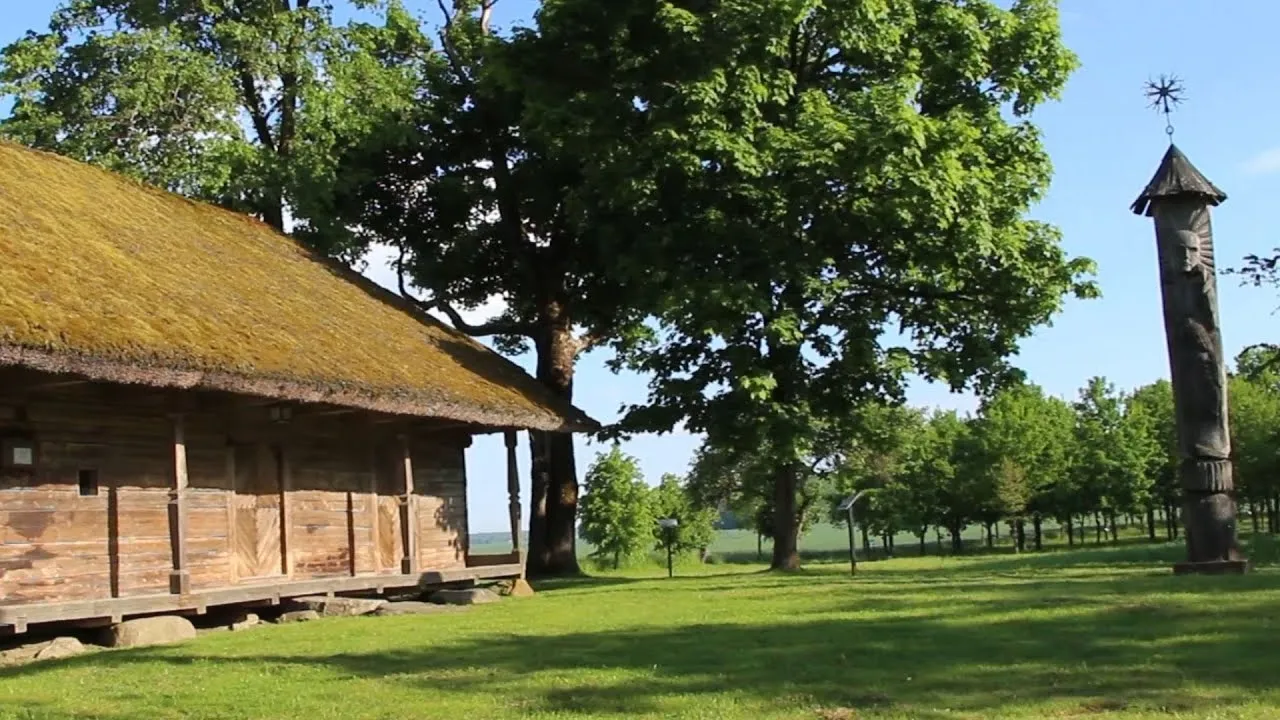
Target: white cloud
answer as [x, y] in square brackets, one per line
[380, 268]
[1266, 162]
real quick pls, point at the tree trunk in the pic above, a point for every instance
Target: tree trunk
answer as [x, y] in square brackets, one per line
[553, 516]
[987, 528]
[937, 535]
[617, 559]
[1071, 532]
[866, 541]
[957, 542]
[273, 211]
[759, 545]
[921, 535]
[1037, 523]
[1097, 528]
[1115, 532]
[1020, 535]
[786, 529]
[1151, 522]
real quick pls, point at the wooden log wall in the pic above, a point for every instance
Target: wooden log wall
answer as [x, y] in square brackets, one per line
[440, 490]
[335, 486]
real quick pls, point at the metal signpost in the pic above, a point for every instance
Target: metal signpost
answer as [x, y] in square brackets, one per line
[669, 526]
[847, 506]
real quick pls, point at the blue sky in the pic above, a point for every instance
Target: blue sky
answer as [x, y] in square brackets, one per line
[1105, 145]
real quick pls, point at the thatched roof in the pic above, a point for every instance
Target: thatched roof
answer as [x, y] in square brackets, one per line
[107, 278]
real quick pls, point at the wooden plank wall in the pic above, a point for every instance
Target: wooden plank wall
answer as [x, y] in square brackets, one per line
[56, 545]
[439, 483]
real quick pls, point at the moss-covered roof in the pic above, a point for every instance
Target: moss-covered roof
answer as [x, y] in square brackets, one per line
[105, 277]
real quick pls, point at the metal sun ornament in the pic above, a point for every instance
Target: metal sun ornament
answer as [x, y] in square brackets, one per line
[1165, 94]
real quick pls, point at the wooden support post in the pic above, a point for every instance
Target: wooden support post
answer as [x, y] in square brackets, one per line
[229, 470]
[371, 509]
[513, 491]
[180, 576]
[408, 511]
[351, 532]
[286, 512]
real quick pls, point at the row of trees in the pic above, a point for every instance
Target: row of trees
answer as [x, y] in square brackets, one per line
[738, 198]
[1026, 458]
[620, 512]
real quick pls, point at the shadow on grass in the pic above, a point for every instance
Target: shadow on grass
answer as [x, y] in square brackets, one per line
[1087, 646]
[596, 584]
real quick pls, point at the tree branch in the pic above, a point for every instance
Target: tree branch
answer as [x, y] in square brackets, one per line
[253, 103]
[450, 50]
[493, 327]
[586, 342]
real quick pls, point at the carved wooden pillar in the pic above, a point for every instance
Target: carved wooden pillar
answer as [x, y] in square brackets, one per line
[180, 575]
[408, 511]
[1178, 200]
[513, 490]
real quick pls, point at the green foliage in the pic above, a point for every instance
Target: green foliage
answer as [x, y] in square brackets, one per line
[245, 104]
[672, 499]
[1026, 443]
[617, 510]
[1255, 437]
[1115, 446]
[1154, 402]
[888, 440]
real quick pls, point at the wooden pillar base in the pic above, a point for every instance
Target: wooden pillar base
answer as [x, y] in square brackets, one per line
[180, 582]
[408, 566]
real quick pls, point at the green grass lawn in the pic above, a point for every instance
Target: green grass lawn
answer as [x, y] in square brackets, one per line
[1105, 632]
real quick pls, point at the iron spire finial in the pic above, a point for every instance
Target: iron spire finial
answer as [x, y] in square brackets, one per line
[1166, 94]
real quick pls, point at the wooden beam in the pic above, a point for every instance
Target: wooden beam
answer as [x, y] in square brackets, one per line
[513, 490]
[180, 575]
[327, 413]
[54, 385]
[408, 510]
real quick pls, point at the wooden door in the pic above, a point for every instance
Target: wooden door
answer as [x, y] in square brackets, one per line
[389, 550]
[258, 546]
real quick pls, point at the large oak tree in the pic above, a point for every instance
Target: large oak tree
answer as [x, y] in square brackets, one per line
[831, 197]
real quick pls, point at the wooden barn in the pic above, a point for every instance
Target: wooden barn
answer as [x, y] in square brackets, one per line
[196, 411]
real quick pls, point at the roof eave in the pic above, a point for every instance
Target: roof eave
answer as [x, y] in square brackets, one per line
[292, 390]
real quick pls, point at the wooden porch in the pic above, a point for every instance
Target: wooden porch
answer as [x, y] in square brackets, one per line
[16, 619]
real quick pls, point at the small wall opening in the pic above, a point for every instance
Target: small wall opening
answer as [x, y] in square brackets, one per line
[88, 483]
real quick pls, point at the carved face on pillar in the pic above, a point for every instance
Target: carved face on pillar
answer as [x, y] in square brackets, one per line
[1184, 255]
[1186, 248]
